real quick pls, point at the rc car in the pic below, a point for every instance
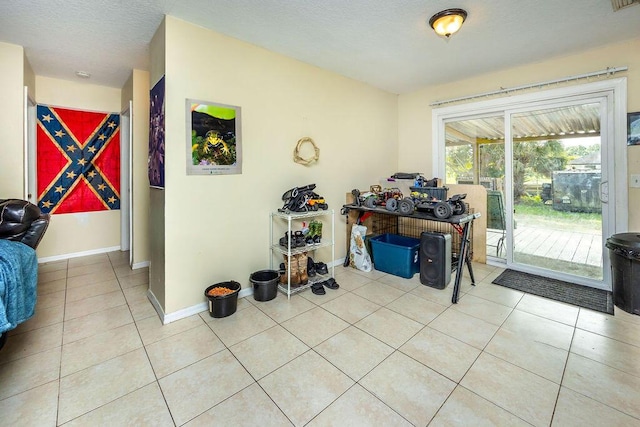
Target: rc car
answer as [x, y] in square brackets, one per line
[438, 208]
[302, 199]
[378, 197]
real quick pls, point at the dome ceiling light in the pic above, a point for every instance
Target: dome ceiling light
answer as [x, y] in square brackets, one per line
[447, 22]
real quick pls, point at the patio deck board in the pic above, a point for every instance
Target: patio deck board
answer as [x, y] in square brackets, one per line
[579, 248]
[582, 251]
[555, 251]
[548, 240]
[569, 251]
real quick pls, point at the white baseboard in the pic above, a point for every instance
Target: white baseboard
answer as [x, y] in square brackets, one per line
[245, 292]
[142, 264]
[63, 257]
[336, 263]
[77, 254]
[154, 302]
[203, 306]
[186, 312]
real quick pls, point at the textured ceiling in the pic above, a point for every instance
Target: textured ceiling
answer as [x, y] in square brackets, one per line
[386, 43]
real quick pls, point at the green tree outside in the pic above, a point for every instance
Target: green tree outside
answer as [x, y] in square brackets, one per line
[532, 160]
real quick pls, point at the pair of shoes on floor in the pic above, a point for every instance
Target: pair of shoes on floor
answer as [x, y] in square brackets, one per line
[318, 287]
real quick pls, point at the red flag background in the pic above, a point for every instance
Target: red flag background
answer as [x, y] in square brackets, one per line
[78, 158]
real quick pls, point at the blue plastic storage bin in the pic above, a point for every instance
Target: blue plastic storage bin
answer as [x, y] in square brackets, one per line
[397, 255]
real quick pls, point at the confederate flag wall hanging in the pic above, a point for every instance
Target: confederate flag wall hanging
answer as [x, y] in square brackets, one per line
[78, 155]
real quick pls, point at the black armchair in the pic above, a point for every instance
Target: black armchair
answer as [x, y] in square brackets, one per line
[22, 221]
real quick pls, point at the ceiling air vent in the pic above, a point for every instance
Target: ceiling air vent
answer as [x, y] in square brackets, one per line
[619, 4]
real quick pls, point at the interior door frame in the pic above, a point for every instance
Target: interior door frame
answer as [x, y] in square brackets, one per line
[126, 200]
[613, 123]
[29, 152]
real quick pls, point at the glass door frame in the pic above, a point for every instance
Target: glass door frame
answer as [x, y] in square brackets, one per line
[607, 212]
[612, 95]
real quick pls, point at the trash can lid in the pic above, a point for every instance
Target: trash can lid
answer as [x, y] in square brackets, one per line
[629, 241]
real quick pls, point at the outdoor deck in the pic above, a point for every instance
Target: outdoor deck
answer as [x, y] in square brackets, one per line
[561, 250]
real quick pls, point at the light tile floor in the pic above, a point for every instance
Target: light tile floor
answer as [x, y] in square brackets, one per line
[380, 351]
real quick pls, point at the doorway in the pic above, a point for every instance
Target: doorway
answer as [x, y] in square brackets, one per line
[546, 162]
[126, 199]
[29, 152]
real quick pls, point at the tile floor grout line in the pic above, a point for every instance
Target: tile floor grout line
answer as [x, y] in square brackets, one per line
[564, 370]
[144, 347]
[313, 304]
[608, 337]
[494, 403]
[227, 348]
[64, 311]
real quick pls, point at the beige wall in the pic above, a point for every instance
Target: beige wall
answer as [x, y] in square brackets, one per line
[79, 95]
[136, 89]
[156, 224]
[217, 227]
[74, 233]
[11, 121]
[414, 124]
[140, 154]
[29, 78]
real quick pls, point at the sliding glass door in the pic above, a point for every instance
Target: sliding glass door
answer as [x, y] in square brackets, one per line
[546, 161]
[555, 191]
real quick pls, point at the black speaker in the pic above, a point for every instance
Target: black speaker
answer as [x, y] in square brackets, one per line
[435, 259]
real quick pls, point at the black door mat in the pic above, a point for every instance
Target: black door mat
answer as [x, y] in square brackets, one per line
[570, 293]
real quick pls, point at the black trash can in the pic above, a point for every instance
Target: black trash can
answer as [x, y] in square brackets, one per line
[624, 252]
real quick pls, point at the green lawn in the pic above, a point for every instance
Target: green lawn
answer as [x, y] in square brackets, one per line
[534, 213]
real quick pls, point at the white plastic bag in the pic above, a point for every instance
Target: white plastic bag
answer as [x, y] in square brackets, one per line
[358, 256]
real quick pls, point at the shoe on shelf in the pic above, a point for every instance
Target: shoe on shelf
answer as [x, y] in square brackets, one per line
[311, 267]
[284, 241]
[299, 238]
[317, 231]
[300, 262]
[321, 268]
[295, 275]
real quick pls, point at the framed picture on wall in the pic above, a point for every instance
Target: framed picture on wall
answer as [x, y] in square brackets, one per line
[633, 128]
[155, 161]
[214, 141]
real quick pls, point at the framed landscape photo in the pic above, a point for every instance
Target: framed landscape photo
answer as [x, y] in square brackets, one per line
[214, 141]
[633, 128]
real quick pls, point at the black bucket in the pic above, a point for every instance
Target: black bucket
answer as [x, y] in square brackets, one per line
[226, 305]
[265, 284]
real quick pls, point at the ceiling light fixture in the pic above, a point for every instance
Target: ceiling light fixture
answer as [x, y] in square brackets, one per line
[83, 74]
[447, 22]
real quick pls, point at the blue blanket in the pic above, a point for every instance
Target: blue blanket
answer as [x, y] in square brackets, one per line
[18, 281]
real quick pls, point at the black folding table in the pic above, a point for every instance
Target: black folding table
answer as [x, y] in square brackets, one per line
[461, 223]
